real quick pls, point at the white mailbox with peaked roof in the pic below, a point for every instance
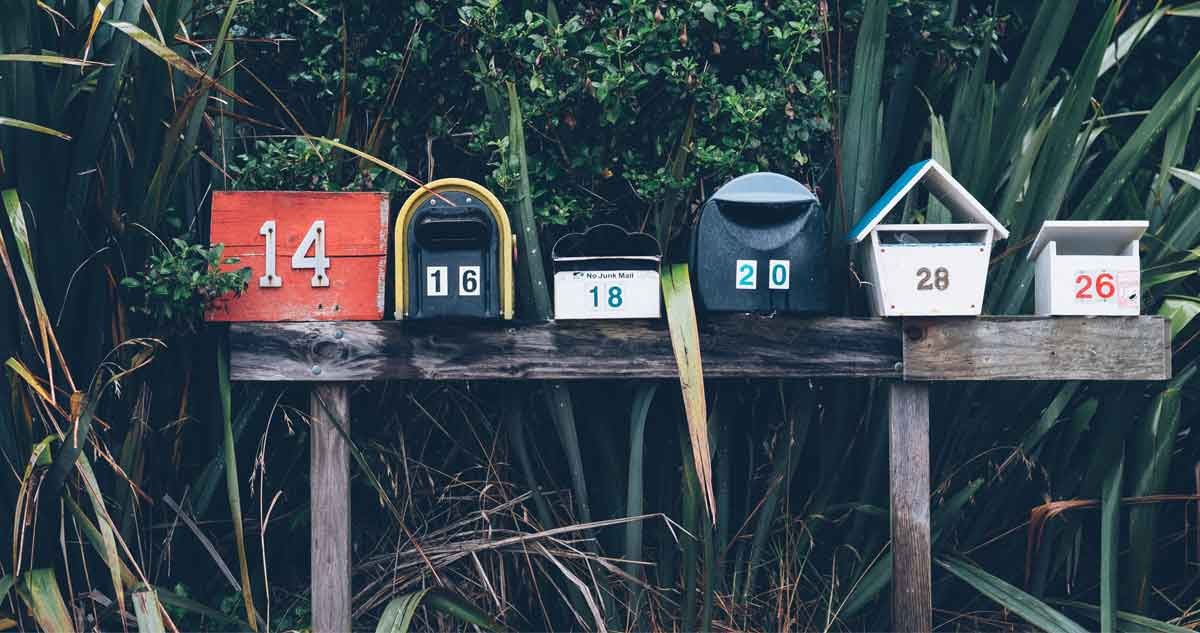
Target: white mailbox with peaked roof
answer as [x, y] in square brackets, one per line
[1088, 267]
[928, 269]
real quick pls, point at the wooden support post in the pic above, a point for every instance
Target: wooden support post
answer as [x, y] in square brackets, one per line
[908, 474]
[329, 476]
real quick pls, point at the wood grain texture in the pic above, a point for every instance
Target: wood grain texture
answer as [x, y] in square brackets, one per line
[733, 346]
[908, 477]
[356, 235]
[329, 476]
[1037, 348]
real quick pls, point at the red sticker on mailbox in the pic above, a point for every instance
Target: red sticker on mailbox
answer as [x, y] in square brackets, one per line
[313, 256]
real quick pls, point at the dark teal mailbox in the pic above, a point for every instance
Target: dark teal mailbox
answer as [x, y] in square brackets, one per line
[760, 246]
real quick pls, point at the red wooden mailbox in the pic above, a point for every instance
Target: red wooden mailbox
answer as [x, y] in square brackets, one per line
[313, 256]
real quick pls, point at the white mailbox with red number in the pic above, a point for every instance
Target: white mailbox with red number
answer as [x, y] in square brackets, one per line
[1088, 267]
[927, 269]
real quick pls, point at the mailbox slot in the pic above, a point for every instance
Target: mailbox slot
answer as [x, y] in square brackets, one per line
[453, 254]
[468, 232]
[760, 245]
[920, 234]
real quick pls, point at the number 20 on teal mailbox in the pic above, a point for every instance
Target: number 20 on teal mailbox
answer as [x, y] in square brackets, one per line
[779, 274]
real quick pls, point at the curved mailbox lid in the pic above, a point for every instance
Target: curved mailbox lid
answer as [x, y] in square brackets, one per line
[764, 188]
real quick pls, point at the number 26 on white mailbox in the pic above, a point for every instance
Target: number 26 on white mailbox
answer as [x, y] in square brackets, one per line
[1088, 267]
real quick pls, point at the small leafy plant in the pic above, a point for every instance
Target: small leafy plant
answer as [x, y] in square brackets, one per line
[179, 284]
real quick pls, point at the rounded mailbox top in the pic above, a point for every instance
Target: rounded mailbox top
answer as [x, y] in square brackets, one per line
[764, 187]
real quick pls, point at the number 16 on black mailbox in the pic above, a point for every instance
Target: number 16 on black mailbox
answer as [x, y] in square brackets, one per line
[453, 253]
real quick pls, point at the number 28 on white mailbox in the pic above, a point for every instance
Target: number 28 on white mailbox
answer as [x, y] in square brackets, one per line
[930, 269]
[1088, 267]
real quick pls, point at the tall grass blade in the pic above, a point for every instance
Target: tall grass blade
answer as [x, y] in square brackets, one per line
[39, 589]
[1128, 621]
[1179, 310]
[1018, 97]
[1110, 552]
[635, 494]
[938, 213]
[398, 614]
[860, 131]
[187, 604]
[231, 484]
[1059, 155]
[530, 265]
[462, 610]
[33, 127]
[1191, 178]
[160, 50]
[101, 106]
[1096, 202]
[1188, 11]
[148, 611]
[1034, 611]
[786, 460]
[53, 60]
[558, 400]
[1152, 446]
[1130, 37]
[108, 538]
[685, 340]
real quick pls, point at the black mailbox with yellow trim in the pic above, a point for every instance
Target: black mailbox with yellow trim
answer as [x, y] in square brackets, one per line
[453, 253]
[760, 246]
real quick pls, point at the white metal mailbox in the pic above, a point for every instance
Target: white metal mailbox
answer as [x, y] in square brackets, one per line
[1088, 267]
[927, 269]
[607, 273]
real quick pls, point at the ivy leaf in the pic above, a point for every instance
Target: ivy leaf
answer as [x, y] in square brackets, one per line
[709, 10]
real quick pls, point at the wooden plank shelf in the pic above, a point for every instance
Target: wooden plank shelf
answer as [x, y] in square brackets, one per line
[732, 346]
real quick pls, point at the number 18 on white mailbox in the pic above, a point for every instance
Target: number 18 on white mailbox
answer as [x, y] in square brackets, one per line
[930, 269]
[607, 273]
[1088, 267]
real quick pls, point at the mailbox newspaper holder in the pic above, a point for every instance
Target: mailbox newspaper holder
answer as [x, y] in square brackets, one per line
[453, 253]
[927, 269]
[607, 273]
[760, 246]
[1088, 267]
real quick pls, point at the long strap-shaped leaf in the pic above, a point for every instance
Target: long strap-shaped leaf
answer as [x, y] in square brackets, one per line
[685, 340]
[231, 481]
[39, 589]
[1029, 608]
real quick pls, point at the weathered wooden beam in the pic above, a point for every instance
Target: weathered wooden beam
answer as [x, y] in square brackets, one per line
[733, 346]
[1037, 348]
[329, 477]
[908, 479]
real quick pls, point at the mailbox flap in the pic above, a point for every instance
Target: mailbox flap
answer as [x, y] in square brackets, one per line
[1088, 237]
[941, 185]
[764, 188]
[606, 246]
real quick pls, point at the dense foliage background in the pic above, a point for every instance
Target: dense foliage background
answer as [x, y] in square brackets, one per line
[136, 475]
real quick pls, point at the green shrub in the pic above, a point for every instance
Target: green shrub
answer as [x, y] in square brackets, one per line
[179, 284]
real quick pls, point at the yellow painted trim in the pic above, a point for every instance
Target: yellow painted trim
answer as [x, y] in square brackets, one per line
[505, 246]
